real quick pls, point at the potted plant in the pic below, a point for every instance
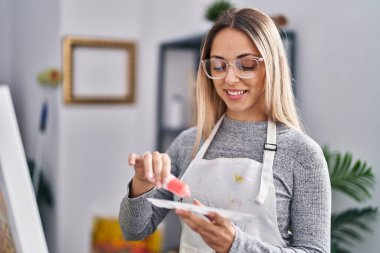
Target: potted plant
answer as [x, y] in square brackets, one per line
[356, 180]
[215, 9]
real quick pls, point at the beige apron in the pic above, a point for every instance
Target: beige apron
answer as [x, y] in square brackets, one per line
[238, 184]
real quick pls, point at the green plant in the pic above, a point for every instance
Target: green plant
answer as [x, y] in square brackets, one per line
[215, 9]
[357, 181]
[44, 193]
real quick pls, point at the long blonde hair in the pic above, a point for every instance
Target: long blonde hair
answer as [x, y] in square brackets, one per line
[279, 98]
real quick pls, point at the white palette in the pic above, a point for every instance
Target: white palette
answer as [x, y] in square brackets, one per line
[204, 210]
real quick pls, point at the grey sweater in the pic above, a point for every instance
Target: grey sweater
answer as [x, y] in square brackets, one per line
[301, 180]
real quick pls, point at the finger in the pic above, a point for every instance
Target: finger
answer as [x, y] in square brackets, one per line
[157, 168]
[182, 213]
[193, 226]
[132, 159]
[197, 202]
[139, 161]
[192, 218]
[166, 167]
[201, 226]
[186, 217]
[148, 170]
[216, 219]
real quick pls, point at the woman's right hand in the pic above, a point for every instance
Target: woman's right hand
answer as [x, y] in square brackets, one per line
[151, 169]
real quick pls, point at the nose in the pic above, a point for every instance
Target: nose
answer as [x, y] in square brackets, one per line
[231, 77]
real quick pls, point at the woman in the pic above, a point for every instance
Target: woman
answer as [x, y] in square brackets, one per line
[255, 157]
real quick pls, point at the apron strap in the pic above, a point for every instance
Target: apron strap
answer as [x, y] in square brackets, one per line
[270, 148]
[201, 153]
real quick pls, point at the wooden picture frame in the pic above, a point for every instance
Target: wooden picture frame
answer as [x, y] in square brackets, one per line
[98, 70]
[20, 223]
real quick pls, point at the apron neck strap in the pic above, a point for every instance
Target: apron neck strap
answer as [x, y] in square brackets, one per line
[270, 145]
[270, 148]
[201, 153]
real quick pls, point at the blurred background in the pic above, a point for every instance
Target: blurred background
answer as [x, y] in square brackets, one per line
[337, 82]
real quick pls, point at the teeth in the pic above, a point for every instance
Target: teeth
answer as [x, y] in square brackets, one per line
[236, 93]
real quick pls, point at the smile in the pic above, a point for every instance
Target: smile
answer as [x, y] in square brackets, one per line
[236, 92]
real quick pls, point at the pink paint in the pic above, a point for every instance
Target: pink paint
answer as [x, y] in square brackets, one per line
[177, 187]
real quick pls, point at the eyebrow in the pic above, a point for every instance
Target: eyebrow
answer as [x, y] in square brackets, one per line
[239, 56]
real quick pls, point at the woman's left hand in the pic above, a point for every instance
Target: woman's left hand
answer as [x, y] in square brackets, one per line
[217, 232]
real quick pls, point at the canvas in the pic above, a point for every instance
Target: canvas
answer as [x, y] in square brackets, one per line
[21, 229]
[8, 237]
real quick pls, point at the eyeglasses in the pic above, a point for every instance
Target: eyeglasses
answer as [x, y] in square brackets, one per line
[244, 67]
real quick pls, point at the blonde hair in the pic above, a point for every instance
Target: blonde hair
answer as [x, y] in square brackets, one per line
[279, 98]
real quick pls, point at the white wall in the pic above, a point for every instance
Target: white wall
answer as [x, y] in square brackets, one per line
[35, 46]
[86, 157]
[5, 45]
[95, 140]
[343, 111]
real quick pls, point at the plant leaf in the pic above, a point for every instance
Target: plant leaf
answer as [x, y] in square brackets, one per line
[355, 180]
[347, 226]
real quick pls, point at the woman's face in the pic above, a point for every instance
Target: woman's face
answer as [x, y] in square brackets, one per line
[244, 98]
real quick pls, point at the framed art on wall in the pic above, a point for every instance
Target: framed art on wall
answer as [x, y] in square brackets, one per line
[98, 70]
[20, 223]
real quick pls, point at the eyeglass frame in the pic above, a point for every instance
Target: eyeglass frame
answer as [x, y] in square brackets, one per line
[228, 63]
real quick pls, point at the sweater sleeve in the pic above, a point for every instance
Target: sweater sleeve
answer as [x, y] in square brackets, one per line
[138, 218]
[310, 210]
